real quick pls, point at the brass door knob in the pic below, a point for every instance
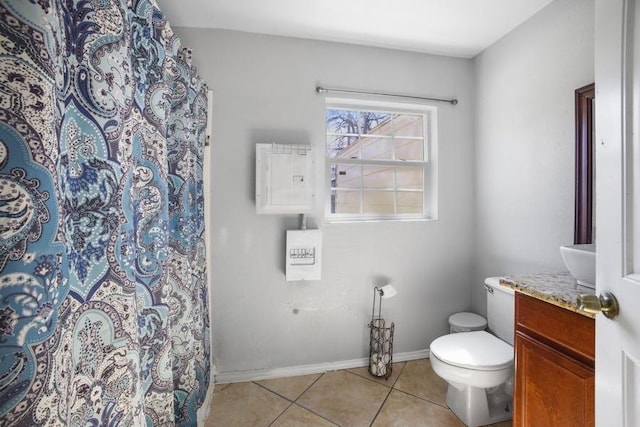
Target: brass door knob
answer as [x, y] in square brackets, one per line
[605, 303]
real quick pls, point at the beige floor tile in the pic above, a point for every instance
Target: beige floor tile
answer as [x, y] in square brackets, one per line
[345, 398]
[291, 387]
[395, 373]
[296, 416]
[217, 388]
[403, 410]
[417, 378]
[245, 405]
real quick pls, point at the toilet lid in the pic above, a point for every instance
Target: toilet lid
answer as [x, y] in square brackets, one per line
[467, 320]
[474, 350]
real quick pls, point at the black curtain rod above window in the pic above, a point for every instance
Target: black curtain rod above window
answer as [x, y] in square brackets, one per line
[321, 89]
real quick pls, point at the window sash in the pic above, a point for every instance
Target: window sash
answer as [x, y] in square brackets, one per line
[406, 199]
[399, 212]
[394, 187]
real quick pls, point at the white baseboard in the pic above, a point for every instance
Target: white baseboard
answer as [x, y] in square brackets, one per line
[411, 355]
[292, 371]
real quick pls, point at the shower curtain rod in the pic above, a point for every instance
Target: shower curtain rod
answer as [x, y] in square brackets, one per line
[321, 89]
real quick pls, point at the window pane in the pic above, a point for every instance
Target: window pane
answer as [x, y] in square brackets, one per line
[409, 149]
[376, 177]
[343, 146]
[378, 202]
[347, 176]
[375, 123]
[377, 161]
[410, 178]
[342, 121]
[409, 202]
[345, 202]
[408, 125]
[377, 147]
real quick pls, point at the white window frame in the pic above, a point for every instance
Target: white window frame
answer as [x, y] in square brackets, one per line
[429, 162]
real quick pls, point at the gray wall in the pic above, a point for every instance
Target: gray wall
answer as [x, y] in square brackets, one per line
[264, 92]
[505, 185]
[525, 141]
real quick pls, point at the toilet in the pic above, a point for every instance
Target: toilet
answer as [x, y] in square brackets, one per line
[478, 365]
[466, 322]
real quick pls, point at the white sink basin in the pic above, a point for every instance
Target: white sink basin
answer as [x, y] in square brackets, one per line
[581, 263]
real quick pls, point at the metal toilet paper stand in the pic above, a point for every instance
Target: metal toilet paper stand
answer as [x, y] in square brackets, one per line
[380, 336]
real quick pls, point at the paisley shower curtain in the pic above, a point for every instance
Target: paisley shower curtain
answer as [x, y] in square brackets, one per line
[103, 298]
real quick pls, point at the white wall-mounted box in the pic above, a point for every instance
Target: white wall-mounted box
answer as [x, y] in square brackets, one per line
[284, 179]
[304, 255]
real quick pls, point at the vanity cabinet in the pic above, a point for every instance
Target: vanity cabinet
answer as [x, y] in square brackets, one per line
[555, 359]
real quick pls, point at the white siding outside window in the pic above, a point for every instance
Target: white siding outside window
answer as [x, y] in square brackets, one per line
[381, 161]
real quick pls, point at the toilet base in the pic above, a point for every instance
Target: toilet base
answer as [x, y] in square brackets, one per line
[479, 406]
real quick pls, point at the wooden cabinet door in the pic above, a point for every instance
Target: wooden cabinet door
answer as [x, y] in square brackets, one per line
[552, 389]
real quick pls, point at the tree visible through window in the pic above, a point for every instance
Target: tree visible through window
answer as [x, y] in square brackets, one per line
[377, 162]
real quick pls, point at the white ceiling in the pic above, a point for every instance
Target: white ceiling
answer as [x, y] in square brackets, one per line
[449, 27]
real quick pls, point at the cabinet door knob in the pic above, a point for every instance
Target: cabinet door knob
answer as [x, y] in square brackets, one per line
[605, 303]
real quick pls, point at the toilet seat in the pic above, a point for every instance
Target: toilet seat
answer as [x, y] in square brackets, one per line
[477, 350]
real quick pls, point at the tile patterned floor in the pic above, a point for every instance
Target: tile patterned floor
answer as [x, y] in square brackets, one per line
[412, 397]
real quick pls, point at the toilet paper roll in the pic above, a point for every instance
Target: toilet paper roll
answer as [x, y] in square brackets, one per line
[378, 364]
[378, 369]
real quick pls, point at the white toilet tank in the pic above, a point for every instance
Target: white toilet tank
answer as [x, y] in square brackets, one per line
[500, 309]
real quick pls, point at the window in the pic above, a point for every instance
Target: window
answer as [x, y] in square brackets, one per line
[380, 160]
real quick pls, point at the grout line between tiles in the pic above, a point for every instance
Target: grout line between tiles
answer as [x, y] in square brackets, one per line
[423, 399]
[308, 409]
[390, 388]
[284, 397]
[273, 392]
[316, 414]
[368, 378]
[294, 402]
[404, 365]
[281, 413]
[310, 385]
[381, 406]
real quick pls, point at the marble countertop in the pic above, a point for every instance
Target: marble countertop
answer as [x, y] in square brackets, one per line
[560, 289]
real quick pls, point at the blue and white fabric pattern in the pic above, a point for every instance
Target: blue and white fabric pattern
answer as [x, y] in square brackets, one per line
[103, 296]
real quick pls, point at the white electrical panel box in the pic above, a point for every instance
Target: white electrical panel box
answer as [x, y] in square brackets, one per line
[304, 249]
[284, 179]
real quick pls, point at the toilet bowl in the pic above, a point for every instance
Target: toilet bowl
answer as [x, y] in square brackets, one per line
[477, 359]
[477, 365]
